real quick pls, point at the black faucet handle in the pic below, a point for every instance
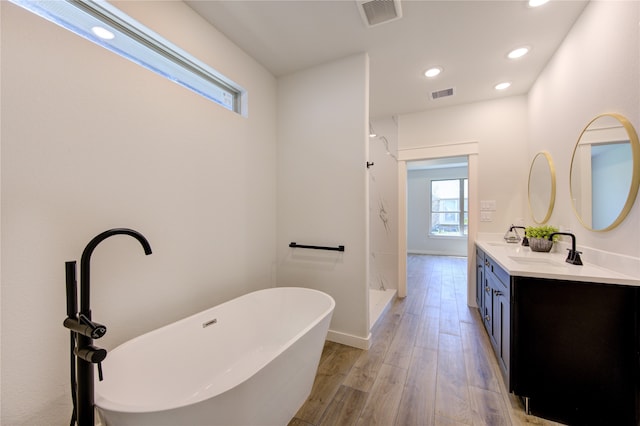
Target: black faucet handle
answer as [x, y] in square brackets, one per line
[96, 330]
[86, 327]
[91, 354]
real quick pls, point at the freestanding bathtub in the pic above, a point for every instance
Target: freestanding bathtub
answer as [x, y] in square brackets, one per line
[249, 361]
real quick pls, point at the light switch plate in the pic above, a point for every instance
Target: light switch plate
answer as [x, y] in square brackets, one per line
[488, 205]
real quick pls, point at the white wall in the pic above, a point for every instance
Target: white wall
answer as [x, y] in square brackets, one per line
[419, 241]
[499, 127]
[91, 141]
[323, 187]
[0, 220]
[595, 71]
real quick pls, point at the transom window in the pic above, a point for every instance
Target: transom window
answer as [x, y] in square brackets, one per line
[450, 207]
[107, 26]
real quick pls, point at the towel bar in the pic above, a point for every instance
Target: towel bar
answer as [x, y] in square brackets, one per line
[296, 245]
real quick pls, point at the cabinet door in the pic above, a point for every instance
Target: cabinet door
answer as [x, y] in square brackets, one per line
[493, 310]
[487, 303]
[575, 350]
[480, 280]
[497, 297]
[502, 330]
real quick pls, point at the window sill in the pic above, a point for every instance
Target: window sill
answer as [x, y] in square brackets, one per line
[447, 237]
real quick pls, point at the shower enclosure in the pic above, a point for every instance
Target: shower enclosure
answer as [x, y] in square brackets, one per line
[383, 224]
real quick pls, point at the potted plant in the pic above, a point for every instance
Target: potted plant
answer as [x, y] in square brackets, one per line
[539, 237]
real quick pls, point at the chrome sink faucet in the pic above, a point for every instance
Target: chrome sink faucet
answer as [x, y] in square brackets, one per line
[574, 255]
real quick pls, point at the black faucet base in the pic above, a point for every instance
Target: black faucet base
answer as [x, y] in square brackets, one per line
[574, 257]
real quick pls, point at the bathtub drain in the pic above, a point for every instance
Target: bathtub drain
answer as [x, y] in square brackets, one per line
[208, 323]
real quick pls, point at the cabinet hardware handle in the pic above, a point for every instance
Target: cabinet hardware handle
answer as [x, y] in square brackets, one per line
[487, 318]
[487, 289]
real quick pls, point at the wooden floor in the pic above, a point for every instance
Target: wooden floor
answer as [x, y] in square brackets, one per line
[430, 363]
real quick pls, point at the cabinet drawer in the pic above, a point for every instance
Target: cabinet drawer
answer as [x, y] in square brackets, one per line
[491, 267]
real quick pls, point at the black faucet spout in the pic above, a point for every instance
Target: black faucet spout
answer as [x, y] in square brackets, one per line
[85, 262]
[574, 255]
[573, 238]
[525, 239]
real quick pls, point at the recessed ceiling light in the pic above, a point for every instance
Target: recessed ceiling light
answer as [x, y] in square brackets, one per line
[536, 3]
[432, 72]
[502, 86]
[103, 33]
[518, 53]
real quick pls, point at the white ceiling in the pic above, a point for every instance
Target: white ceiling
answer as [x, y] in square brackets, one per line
[469, 39]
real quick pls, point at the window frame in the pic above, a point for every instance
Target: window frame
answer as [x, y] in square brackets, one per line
[462, 212]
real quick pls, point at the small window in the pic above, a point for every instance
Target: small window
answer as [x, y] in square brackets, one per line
[109, 27]
[450, 207]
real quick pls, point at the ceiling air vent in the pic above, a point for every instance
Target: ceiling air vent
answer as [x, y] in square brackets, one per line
[442, 93]
[376, 12]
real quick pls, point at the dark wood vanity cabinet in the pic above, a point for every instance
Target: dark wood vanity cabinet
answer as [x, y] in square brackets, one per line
[570, 349]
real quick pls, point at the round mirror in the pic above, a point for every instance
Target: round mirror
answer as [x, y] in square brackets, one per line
[605, 172]
[542, 187]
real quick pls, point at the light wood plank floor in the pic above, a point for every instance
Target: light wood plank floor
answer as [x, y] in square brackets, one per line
[430, 363]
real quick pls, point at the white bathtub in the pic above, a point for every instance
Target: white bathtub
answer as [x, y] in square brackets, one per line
[249, 361]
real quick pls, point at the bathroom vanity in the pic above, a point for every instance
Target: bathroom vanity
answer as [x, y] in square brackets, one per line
[566, 337]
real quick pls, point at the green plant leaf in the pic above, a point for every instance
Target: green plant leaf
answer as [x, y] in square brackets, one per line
[541, 232]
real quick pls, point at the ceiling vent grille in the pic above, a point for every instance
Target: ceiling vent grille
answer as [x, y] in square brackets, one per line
[442, 93]
[376, 12]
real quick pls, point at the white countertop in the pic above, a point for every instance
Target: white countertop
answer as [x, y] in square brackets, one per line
[522, 262]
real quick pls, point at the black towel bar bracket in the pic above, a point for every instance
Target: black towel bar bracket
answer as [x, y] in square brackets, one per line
[296, 245]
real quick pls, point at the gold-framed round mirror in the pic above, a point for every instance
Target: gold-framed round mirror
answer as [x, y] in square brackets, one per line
[542, 187]
[605, 172]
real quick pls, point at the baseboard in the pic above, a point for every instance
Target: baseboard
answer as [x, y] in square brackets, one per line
[349, 339]
[436, 253]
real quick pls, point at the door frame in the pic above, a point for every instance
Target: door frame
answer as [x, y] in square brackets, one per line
[468, 149]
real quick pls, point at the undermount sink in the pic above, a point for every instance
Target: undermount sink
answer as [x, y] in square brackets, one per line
[537, 262]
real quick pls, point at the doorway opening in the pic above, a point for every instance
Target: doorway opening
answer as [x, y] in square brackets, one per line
[437, 222]
[452, 153]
